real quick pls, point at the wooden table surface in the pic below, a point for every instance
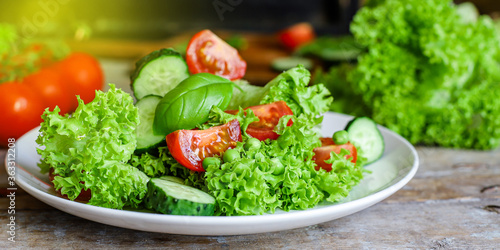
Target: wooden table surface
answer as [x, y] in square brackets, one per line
[452, 202]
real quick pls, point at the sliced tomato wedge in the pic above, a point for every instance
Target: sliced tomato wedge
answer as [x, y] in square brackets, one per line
[269, 116]
[206, 52]
[321, 154]
[190, 147]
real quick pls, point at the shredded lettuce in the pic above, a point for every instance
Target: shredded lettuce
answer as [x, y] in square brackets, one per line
[90, 150]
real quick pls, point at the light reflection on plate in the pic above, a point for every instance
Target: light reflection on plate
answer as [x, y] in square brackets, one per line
[389, 174]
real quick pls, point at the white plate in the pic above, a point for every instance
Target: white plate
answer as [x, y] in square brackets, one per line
[390, 173]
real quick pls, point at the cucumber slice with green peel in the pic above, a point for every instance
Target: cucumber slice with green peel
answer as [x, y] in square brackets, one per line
[364, 133]
[286, 63]
[158, 72]
[146, 140]
[170, 197]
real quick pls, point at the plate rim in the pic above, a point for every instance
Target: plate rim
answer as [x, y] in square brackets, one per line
[185, 222]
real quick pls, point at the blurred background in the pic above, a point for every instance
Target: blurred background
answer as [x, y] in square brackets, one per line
[155, 19]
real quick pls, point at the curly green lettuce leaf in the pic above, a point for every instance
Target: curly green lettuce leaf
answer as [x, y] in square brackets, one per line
[291, 86]
[342, 178]
[151, 165]
[90, 150]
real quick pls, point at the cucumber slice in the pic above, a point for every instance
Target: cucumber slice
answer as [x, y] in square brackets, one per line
[364, 133]
[146, 140]
[170, 197]
[158, 72]
[286, 63]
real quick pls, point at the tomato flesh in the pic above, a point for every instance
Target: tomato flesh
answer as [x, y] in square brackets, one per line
[297, 35]
[190, 147]
[50, 86]
[84, 195]
[206, 52]
[321, 154]
[83, 73]
[269, 116]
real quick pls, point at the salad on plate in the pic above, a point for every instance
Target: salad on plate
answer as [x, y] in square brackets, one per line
[200, 140]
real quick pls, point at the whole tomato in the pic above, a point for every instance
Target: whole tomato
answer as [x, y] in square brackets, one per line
[83, 73]
[21, 109]
[49, 85]
[297, 35]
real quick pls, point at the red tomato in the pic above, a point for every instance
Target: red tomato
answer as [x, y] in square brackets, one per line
[50, 86]
[269, 116]
[190, 147]
[84, 195]
[21, 110]
[206, 52]
[83, 73]
[297, 35]
[323, 153]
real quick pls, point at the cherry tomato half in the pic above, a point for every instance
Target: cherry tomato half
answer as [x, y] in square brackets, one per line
[269, 116]
[297, 35]
[323, 153]
[206, 52]
[49, 84]
[21, 110]
[190, 147]
[83, 73]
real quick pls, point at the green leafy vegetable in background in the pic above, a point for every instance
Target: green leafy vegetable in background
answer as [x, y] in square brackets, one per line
[328, 48]
[429, 74]
[90, 150]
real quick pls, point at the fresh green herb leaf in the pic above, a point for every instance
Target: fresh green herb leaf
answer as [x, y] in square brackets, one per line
[188, 105]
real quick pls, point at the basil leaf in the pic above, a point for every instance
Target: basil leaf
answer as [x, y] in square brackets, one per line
[189, 104]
